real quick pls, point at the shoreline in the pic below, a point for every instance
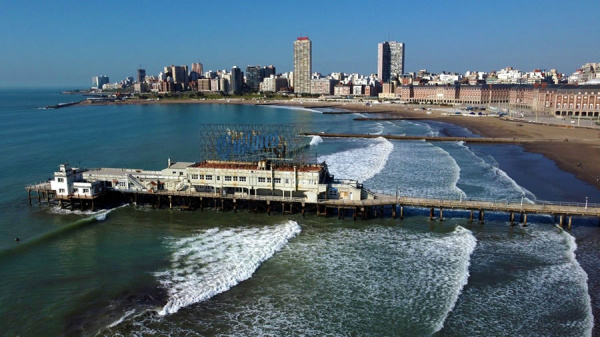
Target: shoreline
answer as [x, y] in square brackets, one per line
[577, 154]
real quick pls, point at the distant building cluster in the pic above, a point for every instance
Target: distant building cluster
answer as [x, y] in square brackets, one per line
[542, 90]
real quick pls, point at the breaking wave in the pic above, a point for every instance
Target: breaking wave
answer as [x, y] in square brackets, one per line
[215, 260]
[361, 163]
[316, 140]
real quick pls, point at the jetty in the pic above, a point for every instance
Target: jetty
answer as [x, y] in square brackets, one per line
[436, 139]
[62, 105]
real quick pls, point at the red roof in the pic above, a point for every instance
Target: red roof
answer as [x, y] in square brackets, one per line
[254, 166]
[303, 38]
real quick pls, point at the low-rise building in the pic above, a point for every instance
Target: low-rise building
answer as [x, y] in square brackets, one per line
[322, 86]
[342, 90]
[307, 182]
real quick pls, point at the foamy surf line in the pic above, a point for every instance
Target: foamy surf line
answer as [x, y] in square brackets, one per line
[214, 260]
[362, 163]
[469, 242]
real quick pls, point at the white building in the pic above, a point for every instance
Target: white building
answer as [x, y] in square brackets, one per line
[309, 182]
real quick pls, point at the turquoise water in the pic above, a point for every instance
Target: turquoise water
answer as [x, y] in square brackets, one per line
[140, 271]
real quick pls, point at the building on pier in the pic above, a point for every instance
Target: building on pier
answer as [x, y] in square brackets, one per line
[265, 178]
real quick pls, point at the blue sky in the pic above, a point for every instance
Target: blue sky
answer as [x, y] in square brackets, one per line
[67, 42]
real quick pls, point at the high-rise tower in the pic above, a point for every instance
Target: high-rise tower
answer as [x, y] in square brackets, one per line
[390, 60]
[141, 75]
[302, 65]
[254, 75]
[236, 81]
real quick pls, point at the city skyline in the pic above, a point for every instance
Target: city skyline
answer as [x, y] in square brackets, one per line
[57, 44]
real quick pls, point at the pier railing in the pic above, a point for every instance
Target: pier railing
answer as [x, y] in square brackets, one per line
[502, 205]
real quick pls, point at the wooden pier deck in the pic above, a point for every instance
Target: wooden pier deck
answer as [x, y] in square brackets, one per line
[562, 211]
[436, 139]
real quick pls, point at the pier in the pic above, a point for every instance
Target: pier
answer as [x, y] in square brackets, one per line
[563, 212]
[375, 207]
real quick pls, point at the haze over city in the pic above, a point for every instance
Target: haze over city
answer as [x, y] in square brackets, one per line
[66, 43]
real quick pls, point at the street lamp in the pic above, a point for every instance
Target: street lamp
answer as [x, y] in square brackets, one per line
[522, 197]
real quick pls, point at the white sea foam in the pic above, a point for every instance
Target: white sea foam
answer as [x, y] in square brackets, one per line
[468, 243]
[316, 140]
[215, 260]
[534, 275]
[400, 276]
[122, 318]
[484, 180]
[378, 129]
[419, 169]
[360, 163]
[100, 214]
[375, 279]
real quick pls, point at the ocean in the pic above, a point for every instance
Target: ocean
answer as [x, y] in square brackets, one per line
[136, 271]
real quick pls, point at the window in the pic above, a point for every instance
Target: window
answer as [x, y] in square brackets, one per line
[194, 176]
[208, 177]
[60, 180]
[261, 179]
[122, 183]
[242, 178]
[277, 180]
[287, 181]
[218, 177]
[174, 172]
[227, 178]
[61, 190]
[86, 190]
[75, 190]
[180, 173]
[268, 180]
[235, 178]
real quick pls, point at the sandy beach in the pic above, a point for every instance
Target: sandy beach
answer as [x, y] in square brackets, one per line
[577, 152]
